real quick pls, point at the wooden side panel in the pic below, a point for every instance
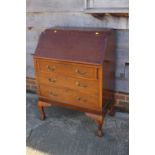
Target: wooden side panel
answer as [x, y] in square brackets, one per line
[100, 77]
[109, 69]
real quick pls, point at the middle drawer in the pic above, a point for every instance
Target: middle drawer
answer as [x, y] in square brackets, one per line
[81, 85]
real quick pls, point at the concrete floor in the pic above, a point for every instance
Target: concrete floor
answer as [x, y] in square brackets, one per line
[69, 132]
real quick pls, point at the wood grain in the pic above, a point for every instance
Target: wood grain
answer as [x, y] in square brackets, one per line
[67, 69]
[69, 96]
[74, 80]
[79, 84]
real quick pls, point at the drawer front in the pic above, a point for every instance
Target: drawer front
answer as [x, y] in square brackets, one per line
[68, 69]
[69, 96]
[81, 85]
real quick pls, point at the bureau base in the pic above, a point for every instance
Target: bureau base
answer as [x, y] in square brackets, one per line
[97, 117]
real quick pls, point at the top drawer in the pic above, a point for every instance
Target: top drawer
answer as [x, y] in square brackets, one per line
[68, 69]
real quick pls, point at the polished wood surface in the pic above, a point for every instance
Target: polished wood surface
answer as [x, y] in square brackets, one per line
[67, 69]
[76, 71]
[70, 96]
[41, 106]
[82, 85]
[87, 46]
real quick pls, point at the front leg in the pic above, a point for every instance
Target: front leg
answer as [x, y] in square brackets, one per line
[99, 122]
[98, 118]
[41, 106]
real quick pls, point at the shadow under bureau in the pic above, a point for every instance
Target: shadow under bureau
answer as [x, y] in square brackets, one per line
[74, 68]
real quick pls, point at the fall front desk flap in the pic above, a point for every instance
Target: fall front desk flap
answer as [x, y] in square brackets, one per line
[78, 45]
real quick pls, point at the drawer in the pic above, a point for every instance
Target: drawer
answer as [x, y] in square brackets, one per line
[69, 96]
[81, 85]
[68, 69]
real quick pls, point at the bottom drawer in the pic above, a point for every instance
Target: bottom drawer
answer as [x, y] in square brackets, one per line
[69, 96]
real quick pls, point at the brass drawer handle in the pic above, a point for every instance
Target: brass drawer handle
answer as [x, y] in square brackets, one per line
[80, 85]
[52, 80]
[53, 94]
[80, 72]
[81, 99]
[51, 68]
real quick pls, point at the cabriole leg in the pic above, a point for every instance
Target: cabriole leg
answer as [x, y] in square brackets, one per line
[99, 121]
[41, 110]
[41, 106]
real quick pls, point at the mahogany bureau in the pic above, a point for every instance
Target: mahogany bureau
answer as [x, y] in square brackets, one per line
[74, 68]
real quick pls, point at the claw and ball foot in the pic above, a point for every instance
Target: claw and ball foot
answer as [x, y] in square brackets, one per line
[99, 121]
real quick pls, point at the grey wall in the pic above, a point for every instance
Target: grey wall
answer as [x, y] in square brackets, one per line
[42, 14]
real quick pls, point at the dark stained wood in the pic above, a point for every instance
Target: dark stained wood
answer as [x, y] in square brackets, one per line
[74, 45]
[75, 69]
[41, 106]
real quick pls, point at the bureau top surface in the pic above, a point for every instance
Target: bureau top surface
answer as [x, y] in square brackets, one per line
[77, 45]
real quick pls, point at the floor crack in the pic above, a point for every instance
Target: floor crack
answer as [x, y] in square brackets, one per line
[28, 138]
